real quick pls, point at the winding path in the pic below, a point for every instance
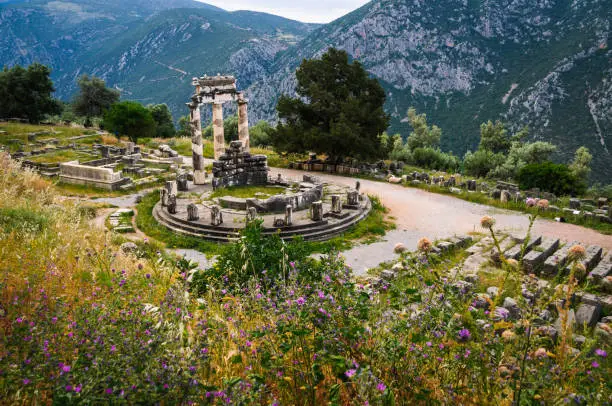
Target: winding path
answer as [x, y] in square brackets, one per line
[419, 213]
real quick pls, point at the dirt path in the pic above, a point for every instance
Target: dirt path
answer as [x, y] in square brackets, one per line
[435, 215]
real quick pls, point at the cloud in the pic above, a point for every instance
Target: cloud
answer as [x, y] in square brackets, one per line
[312, 11]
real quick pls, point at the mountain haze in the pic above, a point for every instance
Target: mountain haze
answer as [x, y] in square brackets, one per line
[542, 63]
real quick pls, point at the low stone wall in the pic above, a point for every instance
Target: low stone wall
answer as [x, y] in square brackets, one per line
[78, 174]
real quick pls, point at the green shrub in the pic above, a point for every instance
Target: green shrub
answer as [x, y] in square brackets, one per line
[21, 219]
[482, 162]
[551, 177]
[268, 259]
[431, 158]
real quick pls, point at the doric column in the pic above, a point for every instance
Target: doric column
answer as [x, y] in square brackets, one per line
[218, 136]
[195, 124]
[243, 122]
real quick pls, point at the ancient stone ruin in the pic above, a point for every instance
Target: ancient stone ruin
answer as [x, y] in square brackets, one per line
[237, 167]
[299, 209]
[215, 90]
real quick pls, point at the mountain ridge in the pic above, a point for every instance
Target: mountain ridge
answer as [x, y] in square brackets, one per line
[541, 63]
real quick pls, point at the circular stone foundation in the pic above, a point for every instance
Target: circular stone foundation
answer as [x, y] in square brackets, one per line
[334, 213]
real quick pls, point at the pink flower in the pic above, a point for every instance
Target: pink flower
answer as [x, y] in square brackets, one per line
[350, 372]
[113, 348]
[601, 353]
[595, 364]
[381, 387]
[26, 381]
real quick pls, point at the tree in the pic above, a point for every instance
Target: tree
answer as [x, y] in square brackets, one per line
[163, 120]
[184, 125]
[581, 165]
[26, 93]
[131, 119]
[551, 177]
[422, 135]
[260, 133]
[93, 97]
[494, 137]
[482, 162]
[338, 112]
[230, 129]
[522, 154]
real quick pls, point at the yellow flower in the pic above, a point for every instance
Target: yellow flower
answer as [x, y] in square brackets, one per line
[577, 252]
[541, 353]
[487, 222]
[424, 245]
[513, 263]
[508, 335]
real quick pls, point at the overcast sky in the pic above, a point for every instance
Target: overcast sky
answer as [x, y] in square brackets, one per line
[311, 11]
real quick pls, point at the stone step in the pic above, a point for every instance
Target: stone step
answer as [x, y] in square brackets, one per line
[306, 229]
[557, 261]
[320, 232]
[516, 251]
[536, 258]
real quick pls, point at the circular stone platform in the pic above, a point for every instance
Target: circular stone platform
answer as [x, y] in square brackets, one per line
[331, 224]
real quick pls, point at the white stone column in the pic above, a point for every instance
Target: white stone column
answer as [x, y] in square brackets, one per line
[243, 123]
[218, 135]
[195, 121]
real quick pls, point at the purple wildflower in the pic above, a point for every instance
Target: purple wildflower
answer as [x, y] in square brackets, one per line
[350, 372]
[601, 353]
[464, 334]
[381, 387]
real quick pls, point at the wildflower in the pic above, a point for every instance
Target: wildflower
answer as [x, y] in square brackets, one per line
[148, 276]
[26, 381]
[78, 388]
[464, 334]
[66, 368]
[381, 387]
[68, 388]
[576, 253]
[513, 263]
[595, 364]
[350, 372]
[601, 353]
[399, 248]
[424, 245]
[487, 222]
[543, 204]
[540, 353]
[508, 335]
[300, 301]
[530, 202]
[109, 391]
[113, 348]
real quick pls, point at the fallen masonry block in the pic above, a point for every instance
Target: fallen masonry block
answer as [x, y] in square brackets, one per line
[536, 258]
[445, 246]
[557, 260]
[593, 256]
[602, 270]
[505, 245]
[515, 252]
[461, 242]
[588, 315]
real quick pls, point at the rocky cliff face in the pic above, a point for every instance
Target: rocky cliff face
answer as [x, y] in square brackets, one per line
[542, 63]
